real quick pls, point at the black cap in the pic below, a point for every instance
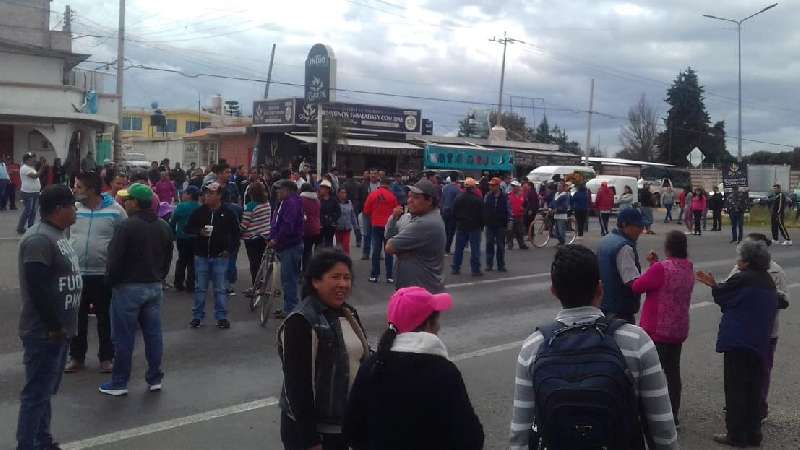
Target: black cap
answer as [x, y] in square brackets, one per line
[55, 195]
[28, 156]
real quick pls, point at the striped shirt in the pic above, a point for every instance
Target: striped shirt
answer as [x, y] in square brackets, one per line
[640, 354]
[256, 220]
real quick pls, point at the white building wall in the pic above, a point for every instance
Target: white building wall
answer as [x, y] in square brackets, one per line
[158, 150]
[31, 69]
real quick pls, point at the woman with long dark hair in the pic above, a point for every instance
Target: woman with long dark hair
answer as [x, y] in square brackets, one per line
[255, 226]
[409, 395]
[321, 344]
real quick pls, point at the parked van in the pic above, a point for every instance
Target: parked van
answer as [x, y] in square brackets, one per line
[544, 174]
[616, 183]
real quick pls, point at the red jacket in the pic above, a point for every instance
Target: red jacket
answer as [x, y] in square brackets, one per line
[380, 205]
[517, 202]
[311, 225]
[604, 201]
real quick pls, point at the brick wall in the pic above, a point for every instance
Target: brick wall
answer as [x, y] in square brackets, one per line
[237, 150]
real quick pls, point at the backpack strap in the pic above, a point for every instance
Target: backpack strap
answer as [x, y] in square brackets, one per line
[548, 331]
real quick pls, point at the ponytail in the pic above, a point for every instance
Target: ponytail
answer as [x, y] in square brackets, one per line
[384, 347]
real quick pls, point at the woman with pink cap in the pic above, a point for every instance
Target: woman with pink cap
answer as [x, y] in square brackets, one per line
[409, 395]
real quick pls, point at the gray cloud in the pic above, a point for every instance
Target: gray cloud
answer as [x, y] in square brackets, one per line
[441, 49]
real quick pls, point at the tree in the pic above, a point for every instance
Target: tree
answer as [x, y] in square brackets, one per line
[467, 127]
[687, 124]
[542, 133]
[515, 125]
[638, 137]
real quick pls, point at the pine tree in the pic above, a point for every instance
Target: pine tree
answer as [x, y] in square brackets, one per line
[542, 133]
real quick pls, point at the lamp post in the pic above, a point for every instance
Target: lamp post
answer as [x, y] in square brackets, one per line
[739, 34]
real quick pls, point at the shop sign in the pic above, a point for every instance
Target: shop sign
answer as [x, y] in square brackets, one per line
[440, 157]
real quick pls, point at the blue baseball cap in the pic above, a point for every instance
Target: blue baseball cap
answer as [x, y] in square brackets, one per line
[630, 216]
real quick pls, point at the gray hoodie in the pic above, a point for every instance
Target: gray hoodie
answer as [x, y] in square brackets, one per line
[92, 232]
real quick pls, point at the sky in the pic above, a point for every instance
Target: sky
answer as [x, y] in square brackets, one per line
[442, 49]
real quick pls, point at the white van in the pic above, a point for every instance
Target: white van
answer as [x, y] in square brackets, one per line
[544, 174]
[615, 182]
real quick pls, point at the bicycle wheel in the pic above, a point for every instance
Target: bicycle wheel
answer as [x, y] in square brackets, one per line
[271, 292]
[570, 232]
[540, 232]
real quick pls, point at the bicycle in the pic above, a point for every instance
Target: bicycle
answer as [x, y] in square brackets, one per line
[267, 286]
[542, 229]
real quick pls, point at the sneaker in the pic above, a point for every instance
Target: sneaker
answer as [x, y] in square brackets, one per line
[390, 280]
[724, 439]
[477, 274]
[195, 323]
[364, 258]
[502, 270]
[109, 389]
[73, 366]
[787, 242]
[373, 279]
[106, 366]
[231, 292]
[154, 387]
[223, 324]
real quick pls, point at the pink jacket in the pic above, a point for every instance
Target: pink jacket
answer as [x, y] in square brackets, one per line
[699, 203]
[665, 314]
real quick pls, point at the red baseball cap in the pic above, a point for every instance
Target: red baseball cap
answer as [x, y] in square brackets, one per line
[410, 307]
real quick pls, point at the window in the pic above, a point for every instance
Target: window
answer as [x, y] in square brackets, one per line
[190, 154]
[131, 123]
[172, 126]
[203, 154]
[194, 125]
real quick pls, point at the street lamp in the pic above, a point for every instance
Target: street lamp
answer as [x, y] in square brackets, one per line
[739, 33]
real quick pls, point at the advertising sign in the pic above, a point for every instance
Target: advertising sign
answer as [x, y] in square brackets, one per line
[365, 117]
[320, 82]
[467, 159]
[273, 112]
[427, 127]
[734, 174]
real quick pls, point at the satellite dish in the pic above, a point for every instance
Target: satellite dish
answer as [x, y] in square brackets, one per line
[154, 105]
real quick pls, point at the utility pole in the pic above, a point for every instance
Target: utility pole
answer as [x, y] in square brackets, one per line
[120, 81]
[739, 34]
[269, 72]
[589, 125]
[504, 42]
[67, 20]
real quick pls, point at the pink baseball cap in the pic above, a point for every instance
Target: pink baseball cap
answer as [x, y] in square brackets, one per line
[410, 307]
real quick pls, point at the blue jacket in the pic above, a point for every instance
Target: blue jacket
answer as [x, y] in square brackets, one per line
[560, 204]
[748, 301]
[449, 195]
[399, 191]
[496, 212]
[287, 223]
[617, 297]
[580, 200]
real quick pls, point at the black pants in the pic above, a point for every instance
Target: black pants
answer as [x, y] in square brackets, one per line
[518, 233]
[184, 267]
[255, 252]
[581, 219]
[449, 220]
[604, 223]
[779, 226]
[670, 355]
[9, 197]
[292, 438]
[326, 236]
[95, 292]
[744, 376]
[309, 243]
[717, 225]
[697, 216]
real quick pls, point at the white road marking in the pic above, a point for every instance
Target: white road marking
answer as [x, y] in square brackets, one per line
[171, 424]
[496, 280]
[166, 425]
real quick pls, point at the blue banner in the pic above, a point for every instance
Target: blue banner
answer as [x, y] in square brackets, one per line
[465, 158]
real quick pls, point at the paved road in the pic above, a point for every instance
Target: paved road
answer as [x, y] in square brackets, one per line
[221, 385]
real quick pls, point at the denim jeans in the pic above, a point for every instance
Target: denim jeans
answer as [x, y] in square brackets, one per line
[30, 200]
[366, 227]
[44, 365]
[290, 259]
[474, 239]
[737, 226]
[496, 239]
[212, 270]
[377, 249]
[668, 217]
[136, 305]
[560, 230]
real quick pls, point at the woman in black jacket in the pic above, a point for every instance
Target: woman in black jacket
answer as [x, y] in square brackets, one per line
[409, 395]
[329, 212]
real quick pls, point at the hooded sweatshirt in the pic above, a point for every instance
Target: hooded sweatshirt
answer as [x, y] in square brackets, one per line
[92, 232]
[140, 251]
[311, 212]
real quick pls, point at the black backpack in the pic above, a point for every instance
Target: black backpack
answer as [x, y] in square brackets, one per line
[584, 391]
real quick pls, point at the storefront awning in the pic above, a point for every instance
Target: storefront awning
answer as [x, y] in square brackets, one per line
[367, 146]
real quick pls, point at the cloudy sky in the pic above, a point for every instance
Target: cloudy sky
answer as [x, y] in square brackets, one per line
[441, 48]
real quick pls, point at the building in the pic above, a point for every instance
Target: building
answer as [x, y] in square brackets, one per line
[47, 105]
[232, 139]
[156, 143]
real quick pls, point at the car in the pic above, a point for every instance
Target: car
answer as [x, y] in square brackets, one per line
[544, 174]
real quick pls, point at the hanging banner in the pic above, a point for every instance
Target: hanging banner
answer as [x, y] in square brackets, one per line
[734, 174]
[465, 158]
[363, 117]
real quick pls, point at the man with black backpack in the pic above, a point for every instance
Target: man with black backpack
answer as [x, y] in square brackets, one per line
[585, 381]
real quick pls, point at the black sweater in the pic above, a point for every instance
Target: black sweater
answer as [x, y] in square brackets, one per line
[224, 235]
[468, 211]
[141, 250]
[417, 401]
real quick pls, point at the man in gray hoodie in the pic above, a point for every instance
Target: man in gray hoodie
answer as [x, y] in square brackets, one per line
[97, 217]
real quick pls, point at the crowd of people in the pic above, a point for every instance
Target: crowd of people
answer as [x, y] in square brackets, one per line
[105, 246]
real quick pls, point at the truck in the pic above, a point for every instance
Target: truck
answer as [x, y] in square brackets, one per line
[761, 178]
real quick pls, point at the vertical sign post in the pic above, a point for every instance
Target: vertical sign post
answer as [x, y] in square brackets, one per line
[320, 87]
